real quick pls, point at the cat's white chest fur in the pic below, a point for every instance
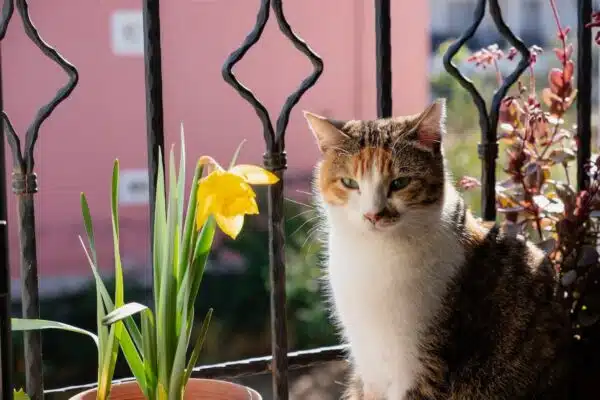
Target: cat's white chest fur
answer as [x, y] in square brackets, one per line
[385, 292]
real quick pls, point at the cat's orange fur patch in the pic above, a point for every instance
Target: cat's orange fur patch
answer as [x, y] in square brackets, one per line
[336, 166]
[329, 183]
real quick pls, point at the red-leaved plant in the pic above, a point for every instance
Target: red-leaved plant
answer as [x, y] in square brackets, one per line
[537, 199]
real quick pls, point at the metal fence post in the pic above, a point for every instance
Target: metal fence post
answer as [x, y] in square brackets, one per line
[5, 301]
[275, 160]
[584, 90]
[488, 122]
[383, 58]
[24, 184]
[154, 97]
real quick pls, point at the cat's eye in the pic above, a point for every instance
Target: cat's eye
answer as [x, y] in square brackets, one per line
[399, 183]
[349, 183]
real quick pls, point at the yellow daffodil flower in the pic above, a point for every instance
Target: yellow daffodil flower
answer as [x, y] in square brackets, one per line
[228, 196]
[20, 395]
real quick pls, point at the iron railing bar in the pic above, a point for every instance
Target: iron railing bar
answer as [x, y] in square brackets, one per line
[14, 143]
[383, 57]
[488, 149]
[240, 368]
[488, 122]
[155, 136]
[307, 83]
[24, 185]
[64, 92]
[500, 93]
[480, 104]
[251, 366]
[6, 385]
[7, 11]
[275, 160]
[584, 90]
[6, 366]
[227, 72]
[453, 71]
[13, 140]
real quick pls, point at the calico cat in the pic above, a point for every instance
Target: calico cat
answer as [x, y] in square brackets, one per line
[432, 304]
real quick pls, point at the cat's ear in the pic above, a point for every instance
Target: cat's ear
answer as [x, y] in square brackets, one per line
[326, 132]
[431, 125]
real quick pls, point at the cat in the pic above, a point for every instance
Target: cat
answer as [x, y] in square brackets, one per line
[432, 304]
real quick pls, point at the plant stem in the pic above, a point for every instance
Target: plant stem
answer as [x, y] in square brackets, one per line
[531, 79]
[563, 41]
[557, 20]
[566, 167]
[499, 78]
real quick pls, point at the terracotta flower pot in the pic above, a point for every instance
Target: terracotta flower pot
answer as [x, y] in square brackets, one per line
[196, 389]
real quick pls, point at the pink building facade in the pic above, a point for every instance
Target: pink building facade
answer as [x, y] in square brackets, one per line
[104, 118]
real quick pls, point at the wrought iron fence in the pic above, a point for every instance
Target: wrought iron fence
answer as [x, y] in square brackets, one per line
[24, 177]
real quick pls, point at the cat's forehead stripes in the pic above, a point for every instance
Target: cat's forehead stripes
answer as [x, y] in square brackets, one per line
[377, 133]
[374, 159]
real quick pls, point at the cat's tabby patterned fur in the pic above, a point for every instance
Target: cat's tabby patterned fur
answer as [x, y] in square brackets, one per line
[433, 305]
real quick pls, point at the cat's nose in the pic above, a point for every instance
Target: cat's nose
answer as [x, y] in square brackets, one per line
[373, 216]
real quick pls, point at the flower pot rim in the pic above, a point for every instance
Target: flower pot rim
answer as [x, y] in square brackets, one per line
[253, 394]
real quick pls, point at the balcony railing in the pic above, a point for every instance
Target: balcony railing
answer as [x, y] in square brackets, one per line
[22, 145]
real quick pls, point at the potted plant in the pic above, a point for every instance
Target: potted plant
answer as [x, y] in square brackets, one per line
[182, 241]
[156, 350]
[539, 197]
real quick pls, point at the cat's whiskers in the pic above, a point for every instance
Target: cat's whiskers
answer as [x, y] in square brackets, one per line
[312, 231]
[302, 213]
[297, 202]
[308, 221]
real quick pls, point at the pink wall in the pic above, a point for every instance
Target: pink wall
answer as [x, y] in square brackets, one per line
[105, 116]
